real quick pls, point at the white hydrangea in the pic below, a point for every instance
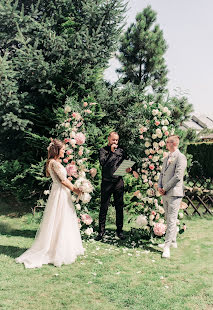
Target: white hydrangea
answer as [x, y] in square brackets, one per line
[89, 231]
[141, 220]
[85, 197]
[78, 206]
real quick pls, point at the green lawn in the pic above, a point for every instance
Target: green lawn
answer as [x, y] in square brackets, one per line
[111, 275]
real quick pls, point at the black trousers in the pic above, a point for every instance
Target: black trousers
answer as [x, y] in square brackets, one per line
[117, 190]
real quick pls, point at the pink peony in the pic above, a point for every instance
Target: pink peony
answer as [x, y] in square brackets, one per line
[80, 138]
[86, 219]
[71, 169]
[159, 229]
[151, 167]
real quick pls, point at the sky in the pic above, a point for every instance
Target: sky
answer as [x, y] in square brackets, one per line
[188, 30]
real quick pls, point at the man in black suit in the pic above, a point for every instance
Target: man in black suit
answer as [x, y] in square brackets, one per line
[110, 157]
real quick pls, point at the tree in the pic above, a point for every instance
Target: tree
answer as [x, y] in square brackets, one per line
[51, 50]
[141, 53]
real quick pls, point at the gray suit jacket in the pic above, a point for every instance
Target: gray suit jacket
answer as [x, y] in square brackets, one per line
[172, 173]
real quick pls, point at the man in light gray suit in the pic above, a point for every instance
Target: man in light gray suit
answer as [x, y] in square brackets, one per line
[170, 186]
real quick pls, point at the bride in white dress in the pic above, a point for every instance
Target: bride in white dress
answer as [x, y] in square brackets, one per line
[58, 240]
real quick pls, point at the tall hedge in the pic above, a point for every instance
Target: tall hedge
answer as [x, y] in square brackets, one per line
[202, 161]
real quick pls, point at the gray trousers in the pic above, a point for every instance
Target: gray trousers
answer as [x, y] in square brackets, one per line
[171, 207]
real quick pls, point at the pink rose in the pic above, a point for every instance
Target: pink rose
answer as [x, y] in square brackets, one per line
[151, 167]
[166, 133]
[150, 156]
[157, 123]
[80, 138]
[80, 153]
[88, 111]
[71, 169]
[68, 152]
[76, 115]
[93, 172]
[86, 219]
[159, 229]
[136, 193]
[79, 124]
[153, 212]
[141, 137]
[136, 175]
[85, 104]
[65, 160]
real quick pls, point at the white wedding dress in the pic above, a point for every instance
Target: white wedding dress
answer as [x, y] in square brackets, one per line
[58, 240]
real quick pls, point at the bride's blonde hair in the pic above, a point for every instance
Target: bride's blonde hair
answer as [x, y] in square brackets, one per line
[53, 152]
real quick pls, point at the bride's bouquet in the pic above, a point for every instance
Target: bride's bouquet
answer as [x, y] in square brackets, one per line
[85, 186]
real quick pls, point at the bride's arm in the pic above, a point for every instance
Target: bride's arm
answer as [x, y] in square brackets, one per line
[56, 166]
[69, 185]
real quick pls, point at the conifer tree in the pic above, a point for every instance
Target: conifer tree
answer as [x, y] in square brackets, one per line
[141, 53]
